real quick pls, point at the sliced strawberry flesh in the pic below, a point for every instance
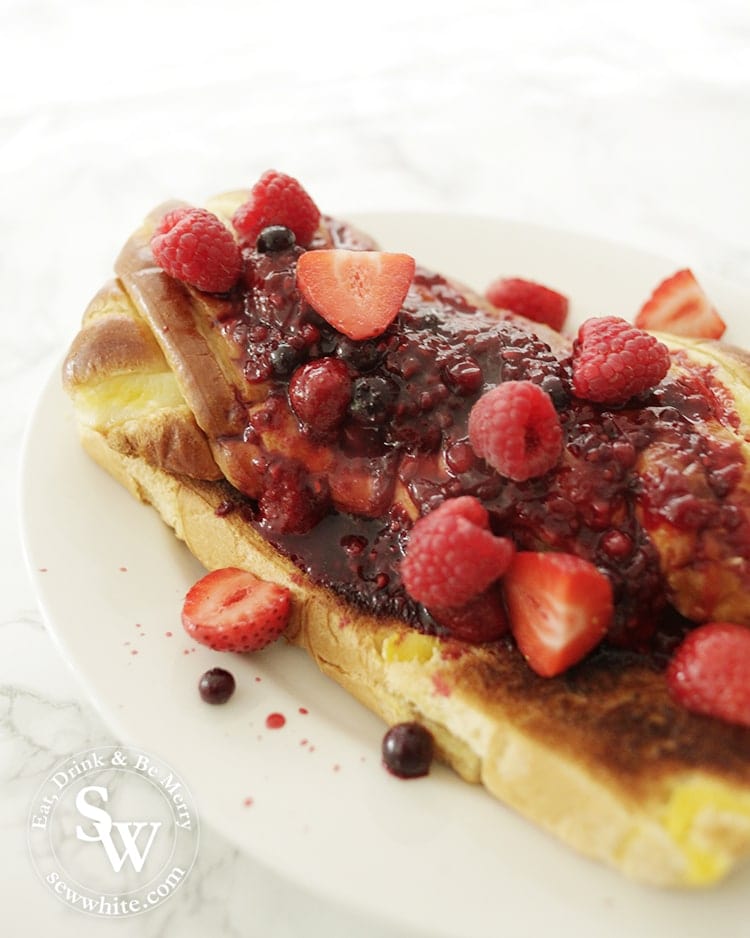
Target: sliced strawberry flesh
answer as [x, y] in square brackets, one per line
[232, 610]
[680, 305]
[358, 292]
[559, 608]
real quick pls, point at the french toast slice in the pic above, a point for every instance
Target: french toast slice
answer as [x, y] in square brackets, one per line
[600, 756]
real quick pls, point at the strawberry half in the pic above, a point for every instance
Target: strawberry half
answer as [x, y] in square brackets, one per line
[710, 672]
[232, 610]
[358, 292]
[559, 607]
[679, 305]
[529, 299]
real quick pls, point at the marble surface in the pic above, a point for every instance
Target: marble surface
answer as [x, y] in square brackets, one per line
[627, 122]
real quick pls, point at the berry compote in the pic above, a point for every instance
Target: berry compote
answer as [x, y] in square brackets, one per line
[348, 442]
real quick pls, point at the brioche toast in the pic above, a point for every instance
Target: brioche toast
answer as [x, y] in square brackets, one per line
[600, 756]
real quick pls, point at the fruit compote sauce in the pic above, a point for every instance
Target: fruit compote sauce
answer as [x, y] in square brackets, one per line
[409, 394]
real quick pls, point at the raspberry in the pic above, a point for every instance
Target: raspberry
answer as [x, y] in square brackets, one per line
[171, 218]
[452, 556]
[320, 391]
[515, 428]
[529, 299]
[481, 619]
[613, 360]
[194, 246]
[277, 199]
[710, 672]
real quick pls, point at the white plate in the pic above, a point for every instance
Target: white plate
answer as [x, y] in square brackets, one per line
[434, 854]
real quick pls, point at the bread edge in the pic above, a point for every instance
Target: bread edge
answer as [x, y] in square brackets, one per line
[647, 842]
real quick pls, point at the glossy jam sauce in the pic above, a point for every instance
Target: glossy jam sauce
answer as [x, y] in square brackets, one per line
[403, 444]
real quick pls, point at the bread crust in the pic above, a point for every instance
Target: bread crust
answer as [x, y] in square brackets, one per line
[599, 757]
[121, 384]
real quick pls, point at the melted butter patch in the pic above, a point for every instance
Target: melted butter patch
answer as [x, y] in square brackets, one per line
[127, 396]
[412, 646]
[698, 814]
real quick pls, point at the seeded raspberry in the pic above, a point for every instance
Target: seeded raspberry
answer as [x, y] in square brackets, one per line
[710, 672]
[452, 556]
[277, 199]
[529, 299]
[171, 218]
[194, 246]
[612, 361]
[481, 619]
[516, 429]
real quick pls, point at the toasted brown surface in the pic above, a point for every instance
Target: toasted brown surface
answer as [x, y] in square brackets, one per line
[599, 756]
[612, 713]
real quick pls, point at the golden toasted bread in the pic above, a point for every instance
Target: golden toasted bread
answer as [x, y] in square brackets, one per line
[600, 756]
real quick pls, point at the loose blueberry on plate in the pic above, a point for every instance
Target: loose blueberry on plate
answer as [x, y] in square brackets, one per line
[216, 686]
[408, 749]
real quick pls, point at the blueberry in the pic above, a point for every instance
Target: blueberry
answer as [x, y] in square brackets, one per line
[430, 322]
[360, 355]
[275, 238]
[284, 359]
[554, 386]
[408, 749]
[216, 686]
[373, 398]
